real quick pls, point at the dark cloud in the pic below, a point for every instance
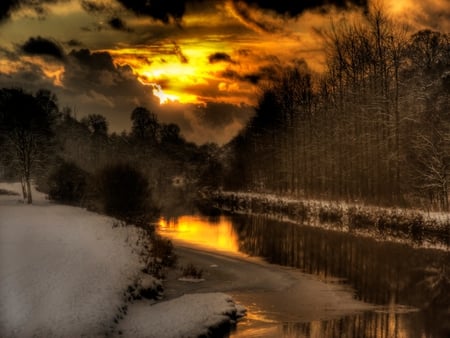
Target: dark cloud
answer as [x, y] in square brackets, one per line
[74, 43]
[163, 10]
[254, 12]
[93, 61]
[92, 6]
[295, 8]
[220, 57]
[118, 24]
[43, 46]
[213, 122]
[264, 73]
[94, 27]
[94, 84]
[9, 6]
[28, 75]
[6, 7]
[174, 10]
[218, 115]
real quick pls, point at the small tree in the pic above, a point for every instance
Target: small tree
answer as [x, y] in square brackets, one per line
[145, 126]
[97, 125]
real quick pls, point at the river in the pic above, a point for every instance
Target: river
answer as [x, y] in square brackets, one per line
[408, 288]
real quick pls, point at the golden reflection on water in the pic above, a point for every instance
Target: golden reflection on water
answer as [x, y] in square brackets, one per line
[217, 233]
[213, 233]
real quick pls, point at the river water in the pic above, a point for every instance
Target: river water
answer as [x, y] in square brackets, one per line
[411, 287]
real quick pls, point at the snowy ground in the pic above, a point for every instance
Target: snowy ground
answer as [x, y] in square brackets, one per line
[191, 315]
[63, 272]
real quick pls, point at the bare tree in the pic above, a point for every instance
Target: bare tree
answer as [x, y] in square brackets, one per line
[26, 126]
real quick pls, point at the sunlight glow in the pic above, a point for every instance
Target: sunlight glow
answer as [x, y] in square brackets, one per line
[182, 70]
[217, 234]
[163, 97]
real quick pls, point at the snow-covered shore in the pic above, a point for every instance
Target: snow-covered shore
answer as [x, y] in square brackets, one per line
[409, 226]
[64, 272]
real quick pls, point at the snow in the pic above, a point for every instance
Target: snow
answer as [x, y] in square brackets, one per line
[64, 271]
[191, 315]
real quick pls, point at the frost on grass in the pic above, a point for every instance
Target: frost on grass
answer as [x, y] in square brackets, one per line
[192, 315]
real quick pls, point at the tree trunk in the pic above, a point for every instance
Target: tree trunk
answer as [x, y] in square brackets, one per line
[24, 188]
[30, 198]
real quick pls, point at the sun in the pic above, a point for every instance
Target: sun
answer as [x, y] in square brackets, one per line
[164, 97]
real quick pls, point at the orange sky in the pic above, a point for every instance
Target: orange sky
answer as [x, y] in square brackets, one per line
[216, 55]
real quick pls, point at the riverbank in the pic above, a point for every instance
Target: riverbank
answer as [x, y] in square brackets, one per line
[408, 285]
[409, 226]
[272, 294]
[68, 272]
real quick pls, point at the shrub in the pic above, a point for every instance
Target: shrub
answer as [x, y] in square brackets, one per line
[157, 255]
[360, 219]
[301, 211]
[67, 183]
[190, 271]
[330, 214]
[8, 193]
[123, 192]
[416, 228]
[162, 249]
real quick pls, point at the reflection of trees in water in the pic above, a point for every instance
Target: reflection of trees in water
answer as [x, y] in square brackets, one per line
[381, 272]
[370, 324]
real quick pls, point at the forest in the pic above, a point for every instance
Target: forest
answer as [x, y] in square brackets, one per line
[374, 127]
[78, 161]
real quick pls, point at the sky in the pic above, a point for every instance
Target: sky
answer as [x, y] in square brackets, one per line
[198, 63]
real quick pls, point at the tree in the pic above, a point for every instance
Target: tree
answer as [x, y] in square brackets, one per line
[67, 183]
[431, 143]
[26, 126]
[97, 125]
[145, 126]
[170, 133]
[124, 193]
[429, 51]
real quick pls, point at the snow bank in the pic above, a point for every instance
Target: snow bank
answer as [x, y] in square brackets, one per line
[191, 315]
[64, 272]
[409, 226]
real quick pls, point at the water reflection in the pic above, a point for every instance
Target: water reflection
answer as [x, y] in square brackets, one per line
[369, 325]
[210, 232]
[397, 277]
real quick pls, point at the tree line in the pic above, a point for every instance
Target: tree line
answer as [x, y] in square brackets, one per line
[374, 127]
[74, 159]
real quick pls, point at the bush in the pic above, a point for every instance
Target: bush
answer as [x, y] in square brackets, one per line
[67, 183]
[191, 271]
[330, 214]
[162, 249]
[360, 219]
[123, 192]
